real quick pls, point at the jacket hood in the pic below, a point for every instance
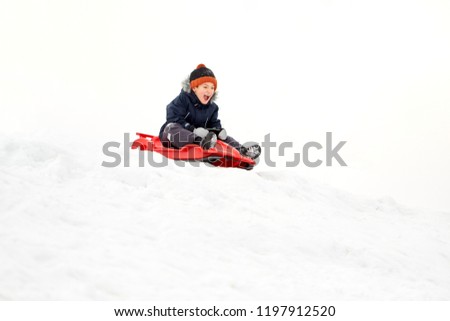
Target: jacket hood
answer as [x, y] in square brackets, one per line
[187, 88]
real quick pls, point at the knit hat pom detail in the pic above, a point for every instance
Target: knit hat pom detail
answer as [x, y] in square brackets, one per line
[200, 66]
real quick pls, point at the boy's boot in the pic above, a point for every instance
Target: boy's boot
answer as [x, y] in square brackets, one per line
[209, 141]
[252, 151]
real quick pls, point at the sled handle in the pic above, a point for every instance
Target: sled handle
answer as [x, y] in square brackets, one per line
[141, 135]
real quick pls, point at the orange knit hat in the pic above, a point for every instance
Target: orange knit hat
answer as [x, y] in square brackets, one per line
[201, 75]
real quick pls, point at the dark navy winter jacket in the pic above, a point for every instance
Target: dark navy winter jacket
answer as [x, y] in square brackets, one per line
[188, 111]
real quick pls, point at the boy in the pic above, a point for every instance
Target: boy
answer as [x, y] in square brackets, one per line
[192, 117]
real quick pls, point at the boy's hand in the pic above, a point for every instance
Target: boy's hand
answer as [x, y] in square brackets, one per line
[220, 132]
[201, 132]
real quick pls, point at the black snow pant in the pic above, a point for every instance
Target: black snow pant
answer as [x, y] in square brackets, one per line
[174, 135]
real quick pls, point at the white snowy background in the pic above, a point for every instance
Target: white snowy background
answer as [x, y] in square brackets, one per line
[75, 75]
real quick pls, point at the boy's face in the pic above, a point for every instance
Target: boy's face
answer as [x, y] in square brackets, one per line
[204, 92]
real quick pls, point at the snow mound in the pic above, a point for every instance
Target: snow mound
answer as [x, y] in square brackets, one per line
[74, 230]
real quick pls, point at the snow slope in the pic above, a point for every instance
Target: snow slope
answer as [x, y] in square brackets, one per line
[71, 229]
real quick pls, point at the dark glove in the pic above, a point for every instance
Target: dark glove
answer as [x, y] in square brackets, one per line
[220, 132]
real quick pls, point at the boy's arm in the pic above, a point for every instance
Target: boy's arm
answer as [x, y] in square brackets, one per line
[177, 113]
[214, 122]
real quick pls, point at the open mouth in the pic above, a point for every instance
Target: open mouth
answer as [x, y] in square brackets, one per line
[206, 97]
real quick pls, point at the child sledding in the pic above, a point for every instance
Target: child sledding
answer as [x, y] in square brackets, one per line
[192, 124]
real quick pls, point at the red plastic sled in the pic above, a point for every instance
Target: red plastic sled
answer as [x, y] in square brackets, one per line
[223, 155]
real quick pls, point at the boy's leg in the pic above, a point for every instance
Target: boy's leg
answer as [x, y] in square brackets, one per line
[174, 135]
[232, 142]
[252, 151]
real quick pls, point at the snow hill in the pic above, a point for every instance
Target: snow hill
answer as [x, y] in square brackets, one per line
[73, 230]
